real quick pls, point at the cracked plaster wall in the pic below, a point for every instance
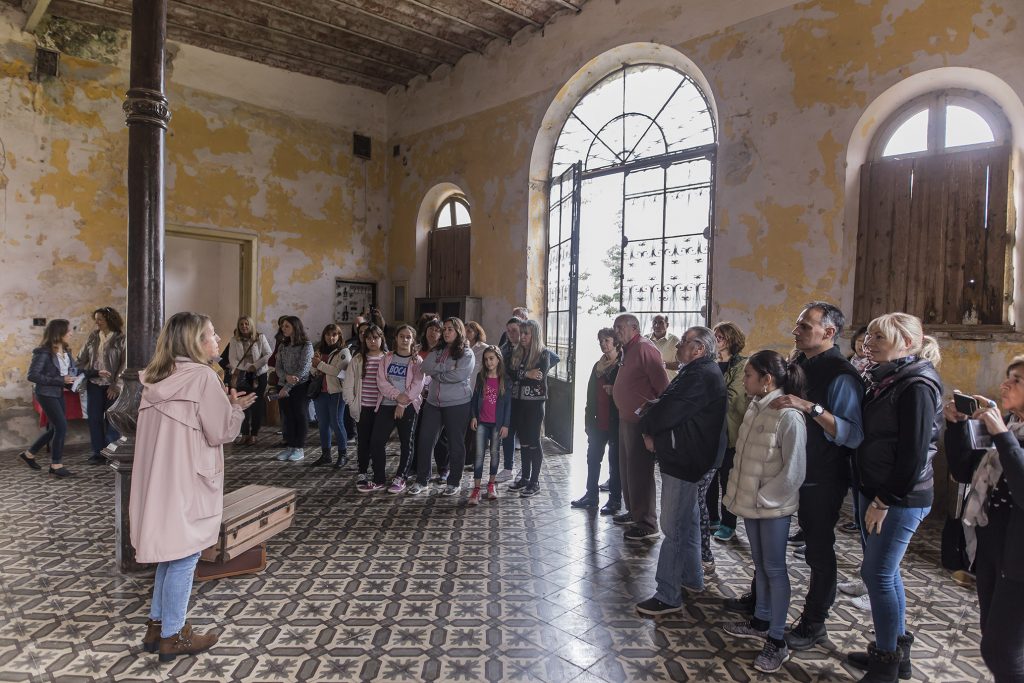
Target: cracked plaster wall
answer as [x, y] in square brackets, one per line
[250, 149]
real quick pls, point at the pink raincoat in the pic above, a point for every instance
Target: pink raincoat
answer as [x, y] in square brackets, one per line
[177, 496]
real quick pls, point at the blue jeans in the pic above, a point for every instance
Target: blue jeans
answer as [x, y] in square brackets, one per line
[487, 439]
[880, 570]
[328, 419]
[171, 591]
[101, 432]
[56, 430]
[768, 548]
[679, 560]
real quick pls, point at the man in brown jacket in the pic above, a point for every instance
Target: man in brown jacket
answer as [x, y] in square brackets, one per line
[641, 378]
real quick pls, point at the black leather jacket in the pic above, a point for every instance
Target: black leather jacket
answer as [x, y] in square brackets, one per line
[44, 372]
[114, 356]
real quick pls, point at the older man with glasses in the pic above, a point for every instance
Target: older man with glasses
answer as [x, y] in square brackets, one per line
[685, 429]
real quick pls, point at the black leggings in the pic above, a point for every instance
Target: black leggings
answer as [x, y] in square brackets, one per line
[295, 409]
[527, 418]
[721, 481]
[383, 425]
[455, 421]
[364, 444]
[253, 419]
[1000, 602]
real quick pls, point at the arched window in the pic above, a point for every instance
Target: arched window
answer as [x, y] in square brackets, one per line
[448, 263]
[933, 238]
[630, 215]
[643, 142]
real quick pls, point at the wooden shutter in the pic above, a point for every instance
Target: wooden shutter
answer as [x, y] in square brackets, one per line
[449, 262]
[933, 237]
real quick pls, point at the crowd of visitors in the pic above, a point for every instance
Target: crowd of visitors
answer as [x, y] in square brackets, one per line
[760, 439]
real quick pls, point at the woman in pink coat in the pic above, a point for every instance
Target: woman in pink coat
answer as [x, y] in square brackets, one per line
[178, 477]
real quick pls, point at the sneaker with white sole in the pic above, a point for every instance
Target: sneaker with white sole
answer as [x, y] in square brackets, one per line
[503, 476]
[653, 607]
[772, 657]
[297, 454]
[451, 490]
[283, 455]
[862, 602]
[416, 489]
[397, 485]
[492, 491]
[856, 588]
[724, 534]
[369, 487]
[640, 534]
[743, 629]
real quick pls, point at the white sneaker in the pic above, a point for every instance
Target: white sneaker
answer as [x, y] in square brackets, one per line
[862, 602]
[297, 454]
[856, 588]
[283, 455]
[503, 476]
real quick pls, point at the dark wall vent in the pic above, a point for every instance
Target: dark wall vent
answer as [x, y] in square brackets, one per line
[361, 145]
[47, 64]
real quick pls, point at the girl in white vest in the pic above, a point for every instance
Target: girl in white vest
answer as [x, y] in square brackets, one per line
[764, 489]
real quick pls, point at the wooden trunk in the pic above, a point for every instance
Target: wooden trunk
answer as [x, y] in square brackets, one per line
[252, 515]
[251, 561]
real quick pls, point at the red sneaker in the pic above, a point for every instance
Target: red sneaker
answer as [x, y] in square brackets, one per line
[474, 498]
[492, 491]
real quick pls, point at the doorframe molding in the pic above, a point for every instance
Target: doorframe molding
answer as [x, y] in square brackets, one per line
[249, 243]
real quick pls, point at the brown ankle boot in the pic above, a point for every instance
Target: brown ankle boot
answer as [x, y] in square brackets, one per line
[151, 641]
[185, 642]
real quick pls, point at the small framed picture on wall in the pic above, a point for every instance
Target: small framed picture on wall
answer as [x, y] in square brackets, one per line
[352, 299]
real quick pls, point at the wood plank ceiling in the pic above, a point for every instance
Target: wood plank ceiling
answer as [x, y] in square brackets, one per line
[374, 44]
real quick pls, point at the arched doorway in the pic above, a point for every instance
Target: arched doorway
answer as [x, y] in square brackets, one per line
[630, 217]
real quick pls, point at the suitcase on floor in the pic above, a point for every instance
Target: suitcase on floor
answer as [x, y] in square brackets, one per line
[252, 515]
[251, 561]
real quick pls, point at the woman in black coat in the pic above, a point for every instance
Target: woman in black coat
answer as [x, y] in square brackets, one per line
[994, 519]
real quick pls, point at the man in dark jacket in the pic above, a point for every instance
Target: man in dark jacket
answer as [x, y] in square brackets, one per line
[686, 429]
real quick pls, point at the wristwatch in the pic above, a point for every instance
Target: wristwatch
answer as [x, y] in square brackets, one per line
[816, 410]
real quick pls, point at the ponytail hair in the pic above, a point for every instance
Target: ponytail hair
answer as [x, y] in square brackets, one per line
[787, 376]
[904, 328]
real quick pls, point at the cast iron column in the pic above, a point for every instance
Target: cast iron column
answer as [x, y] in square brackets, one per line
[147, 117]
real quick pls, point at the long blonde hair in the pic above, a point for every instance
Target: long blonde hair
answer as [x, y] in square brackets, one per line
[182, 335]
[253, 334]
[532, 354]
[897, 327]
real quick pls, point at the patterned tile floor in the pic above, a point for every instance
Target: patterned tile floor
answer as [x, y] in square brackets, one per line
[386, 588]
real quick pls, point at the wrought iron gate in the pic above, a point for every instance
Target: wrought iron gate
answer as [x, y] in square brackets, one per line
[562, 292]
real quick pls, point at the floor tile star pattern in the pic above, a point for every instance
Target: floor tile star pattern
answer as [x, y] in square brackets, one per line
[400, 588]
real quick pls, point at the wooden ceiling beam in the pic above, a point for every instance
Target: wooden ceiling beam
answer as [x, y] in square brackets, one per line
[289, 35]
[35, 10]
[458, 19]
[348, 5]
[511, 12]
[107, 15]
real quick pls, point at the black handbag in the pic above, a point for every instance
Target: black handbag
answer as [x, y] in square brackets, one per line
[315, 387]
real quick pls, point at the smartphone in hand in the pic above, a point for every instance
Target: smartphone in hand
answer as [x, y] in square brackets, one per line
[968, 405]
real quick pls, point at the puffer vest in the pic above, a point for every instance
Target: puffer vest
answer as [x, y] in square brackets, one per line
[758, 458]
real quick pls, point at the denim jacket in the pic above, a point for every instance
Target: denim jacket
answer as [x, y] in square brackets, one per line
[44, 372]
[502, 411]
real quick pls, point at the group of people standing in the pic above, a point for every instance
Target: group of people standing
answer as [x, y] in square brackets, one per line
[448, 394]
[54, 371]
[768, 436]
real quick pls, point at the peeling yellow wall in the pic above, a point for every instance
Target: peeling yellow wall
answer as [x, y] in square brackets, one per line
[317, 212]
[789, 85]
